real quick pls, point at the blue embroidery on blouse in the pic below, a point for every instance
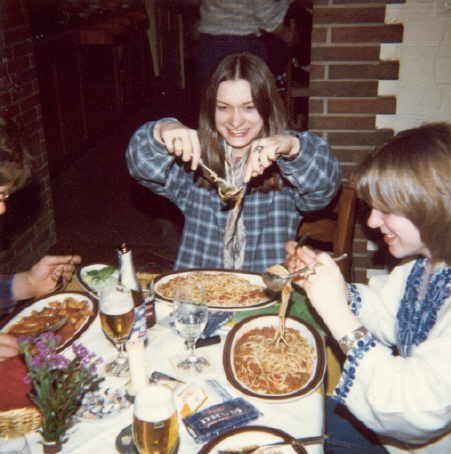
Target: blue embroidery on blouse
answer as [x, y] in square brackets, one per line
[417, 315]
[355, 300]
[353, 359]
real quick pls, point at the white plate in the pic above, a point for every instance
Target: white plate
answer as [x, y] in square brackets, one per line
[94, 289]
[253, 278]
[243, 437]
[44, 302]
[260, 321]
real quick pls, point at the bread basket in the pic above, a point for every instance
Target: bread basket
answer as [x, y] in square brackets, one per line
[19, 421]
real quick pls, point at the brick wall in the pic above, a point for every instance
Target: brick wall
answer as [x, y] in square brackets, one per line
[28, 226]
[344, 77]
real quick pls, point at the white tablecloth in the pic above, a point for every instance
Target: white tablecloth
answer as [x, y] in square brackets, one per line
[300, 418]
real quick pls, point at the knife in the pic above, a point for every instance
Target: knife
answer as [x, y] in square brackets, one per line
[208, 341]
[301, 441]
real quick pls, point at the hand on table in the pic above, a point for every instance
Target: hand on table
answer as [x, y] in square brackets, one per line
[43, 277]
[267, 150]
[8, 346]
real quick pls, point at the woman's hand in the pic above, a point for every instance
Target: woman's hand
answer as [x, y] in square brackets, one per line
[180, 141]
[325, 288]
[8, 347]
[267, 150]
[43, 277]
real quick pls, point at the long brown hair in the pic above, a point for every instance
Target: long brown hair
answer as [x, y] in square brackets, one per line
[267, 100]
[411, 176]
[15, 162]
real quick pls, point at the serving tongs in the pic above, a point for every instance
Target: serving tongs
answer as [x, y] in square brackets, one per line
[226, 190]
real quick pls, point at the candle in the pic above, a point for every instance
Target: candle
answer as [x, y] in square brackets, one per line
[135, 350]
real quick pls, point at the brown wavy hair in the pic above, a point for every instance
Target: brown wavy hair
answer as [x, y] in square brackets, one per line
[14, 160]
[411, 176]
[267, 100]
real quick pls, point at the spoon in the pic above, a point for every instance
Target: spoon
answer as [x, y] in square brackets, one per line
[226, 190]
[275, 282]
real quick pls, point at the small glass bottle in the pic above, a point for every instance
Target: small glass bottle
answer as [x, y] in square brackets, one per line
[128, 278]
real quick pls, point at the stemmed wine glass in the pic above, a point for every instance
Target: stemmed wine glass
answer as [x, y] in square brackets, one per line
[117, 314]
[190, 317]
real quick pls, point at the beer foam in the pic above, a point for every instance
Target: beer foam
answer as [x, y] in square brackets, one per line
[116, 303]
[154, 403]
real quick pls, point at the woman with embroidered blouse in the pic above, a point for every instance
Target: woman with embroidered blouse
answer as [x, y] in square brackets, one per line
[242, 136]
[396, 331]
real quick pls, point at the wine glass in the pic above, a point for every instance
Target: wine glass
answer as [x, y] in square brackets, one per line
[117, 314]
[190, 317]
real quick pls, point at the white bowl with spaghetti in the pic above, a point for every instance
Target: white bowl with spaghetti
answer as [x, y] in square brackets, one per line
[259, 367]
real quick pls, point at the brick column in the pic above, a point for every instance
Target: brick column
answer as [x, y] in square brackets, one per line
[344, 101]
[28, 226]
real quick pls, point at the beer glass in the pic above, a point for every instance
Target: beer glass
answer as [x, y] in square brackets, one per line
[117, 313]
[190, 317]
[155, 423]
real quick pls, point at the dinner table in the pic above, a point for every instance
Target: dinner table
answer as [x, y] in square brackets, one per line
[300, 417]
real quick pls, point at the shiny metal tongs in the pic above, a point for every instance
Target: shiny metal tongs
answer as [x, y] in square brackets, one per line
[275, 282]
[226, 190]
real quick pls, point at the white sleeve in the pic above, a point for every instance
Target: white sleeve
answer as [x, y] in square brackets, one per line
[408, 399]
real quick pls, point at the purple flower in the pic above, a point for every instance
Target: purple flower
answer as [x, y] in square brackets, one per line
[58, 362]
[81, 351]
[37, 361]
[27, 380]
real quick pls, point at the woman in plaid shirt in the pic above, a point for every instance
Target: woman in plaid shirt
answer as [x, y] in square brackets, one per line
[243, 136]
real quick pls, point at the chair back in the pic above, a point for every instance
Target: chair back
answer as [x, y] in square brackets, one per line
[332, 228]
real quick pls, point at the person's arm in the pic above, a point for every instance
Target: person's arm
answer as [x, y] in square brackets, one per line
[153, 166]
[43, 277]
[404, 398]
[8, 346]
[314, 172]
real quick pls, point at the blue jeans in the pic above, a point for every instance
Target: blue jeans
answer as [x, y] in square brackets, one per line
[346, 434]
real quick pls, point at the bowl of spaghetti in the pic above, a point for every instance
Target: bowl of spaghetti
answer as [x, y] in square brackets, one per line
[257, 366]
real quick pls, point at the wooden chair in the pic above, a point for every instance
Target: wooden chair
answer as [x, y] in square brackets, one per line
[332, 229]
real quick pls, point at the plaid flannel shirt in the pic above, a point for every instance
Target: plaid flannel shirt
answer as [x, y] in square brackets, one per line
[6, 293]
[271, 219]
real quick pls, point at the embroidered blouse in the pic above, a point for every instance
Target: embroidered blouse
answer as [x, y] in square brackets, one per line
[397, 379]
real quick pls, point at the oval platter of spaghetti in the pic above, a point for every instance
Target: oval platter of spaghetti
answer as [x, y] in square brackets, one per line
[258, 366]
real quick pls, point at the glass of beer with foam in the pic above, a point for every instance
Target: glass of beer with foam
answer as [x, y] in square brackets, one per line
[155, 423]
[117, 313]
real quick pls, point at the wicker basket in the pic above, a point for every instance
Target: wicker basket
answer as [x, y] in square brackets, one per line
[17, 422]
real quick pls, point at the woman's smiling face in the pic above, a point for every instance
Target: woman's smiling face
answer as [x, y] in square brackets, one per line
[399, 233]
[236, 116]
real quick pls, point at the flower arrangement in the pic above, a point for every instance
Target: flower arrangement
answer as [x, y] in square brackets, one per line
[59, 384]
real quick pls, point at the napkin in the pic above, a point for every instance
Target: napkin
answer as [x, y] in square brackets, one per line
[215, 320]
[214, 420]
[14, 390]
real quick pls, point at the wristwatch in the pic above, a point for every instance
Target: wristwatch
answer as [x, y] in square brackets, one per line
[348, 341]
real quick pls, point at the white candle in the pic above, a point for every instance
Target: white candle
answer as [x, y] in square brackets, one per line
[135, 350]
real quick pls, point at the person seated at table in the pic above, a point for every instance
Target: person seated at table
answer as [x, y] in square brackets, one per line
[242, 136]
[396, 331]
[43, 277]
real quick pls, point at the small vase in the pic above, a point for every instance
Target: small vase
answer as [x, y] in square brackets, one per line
[52, 447]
